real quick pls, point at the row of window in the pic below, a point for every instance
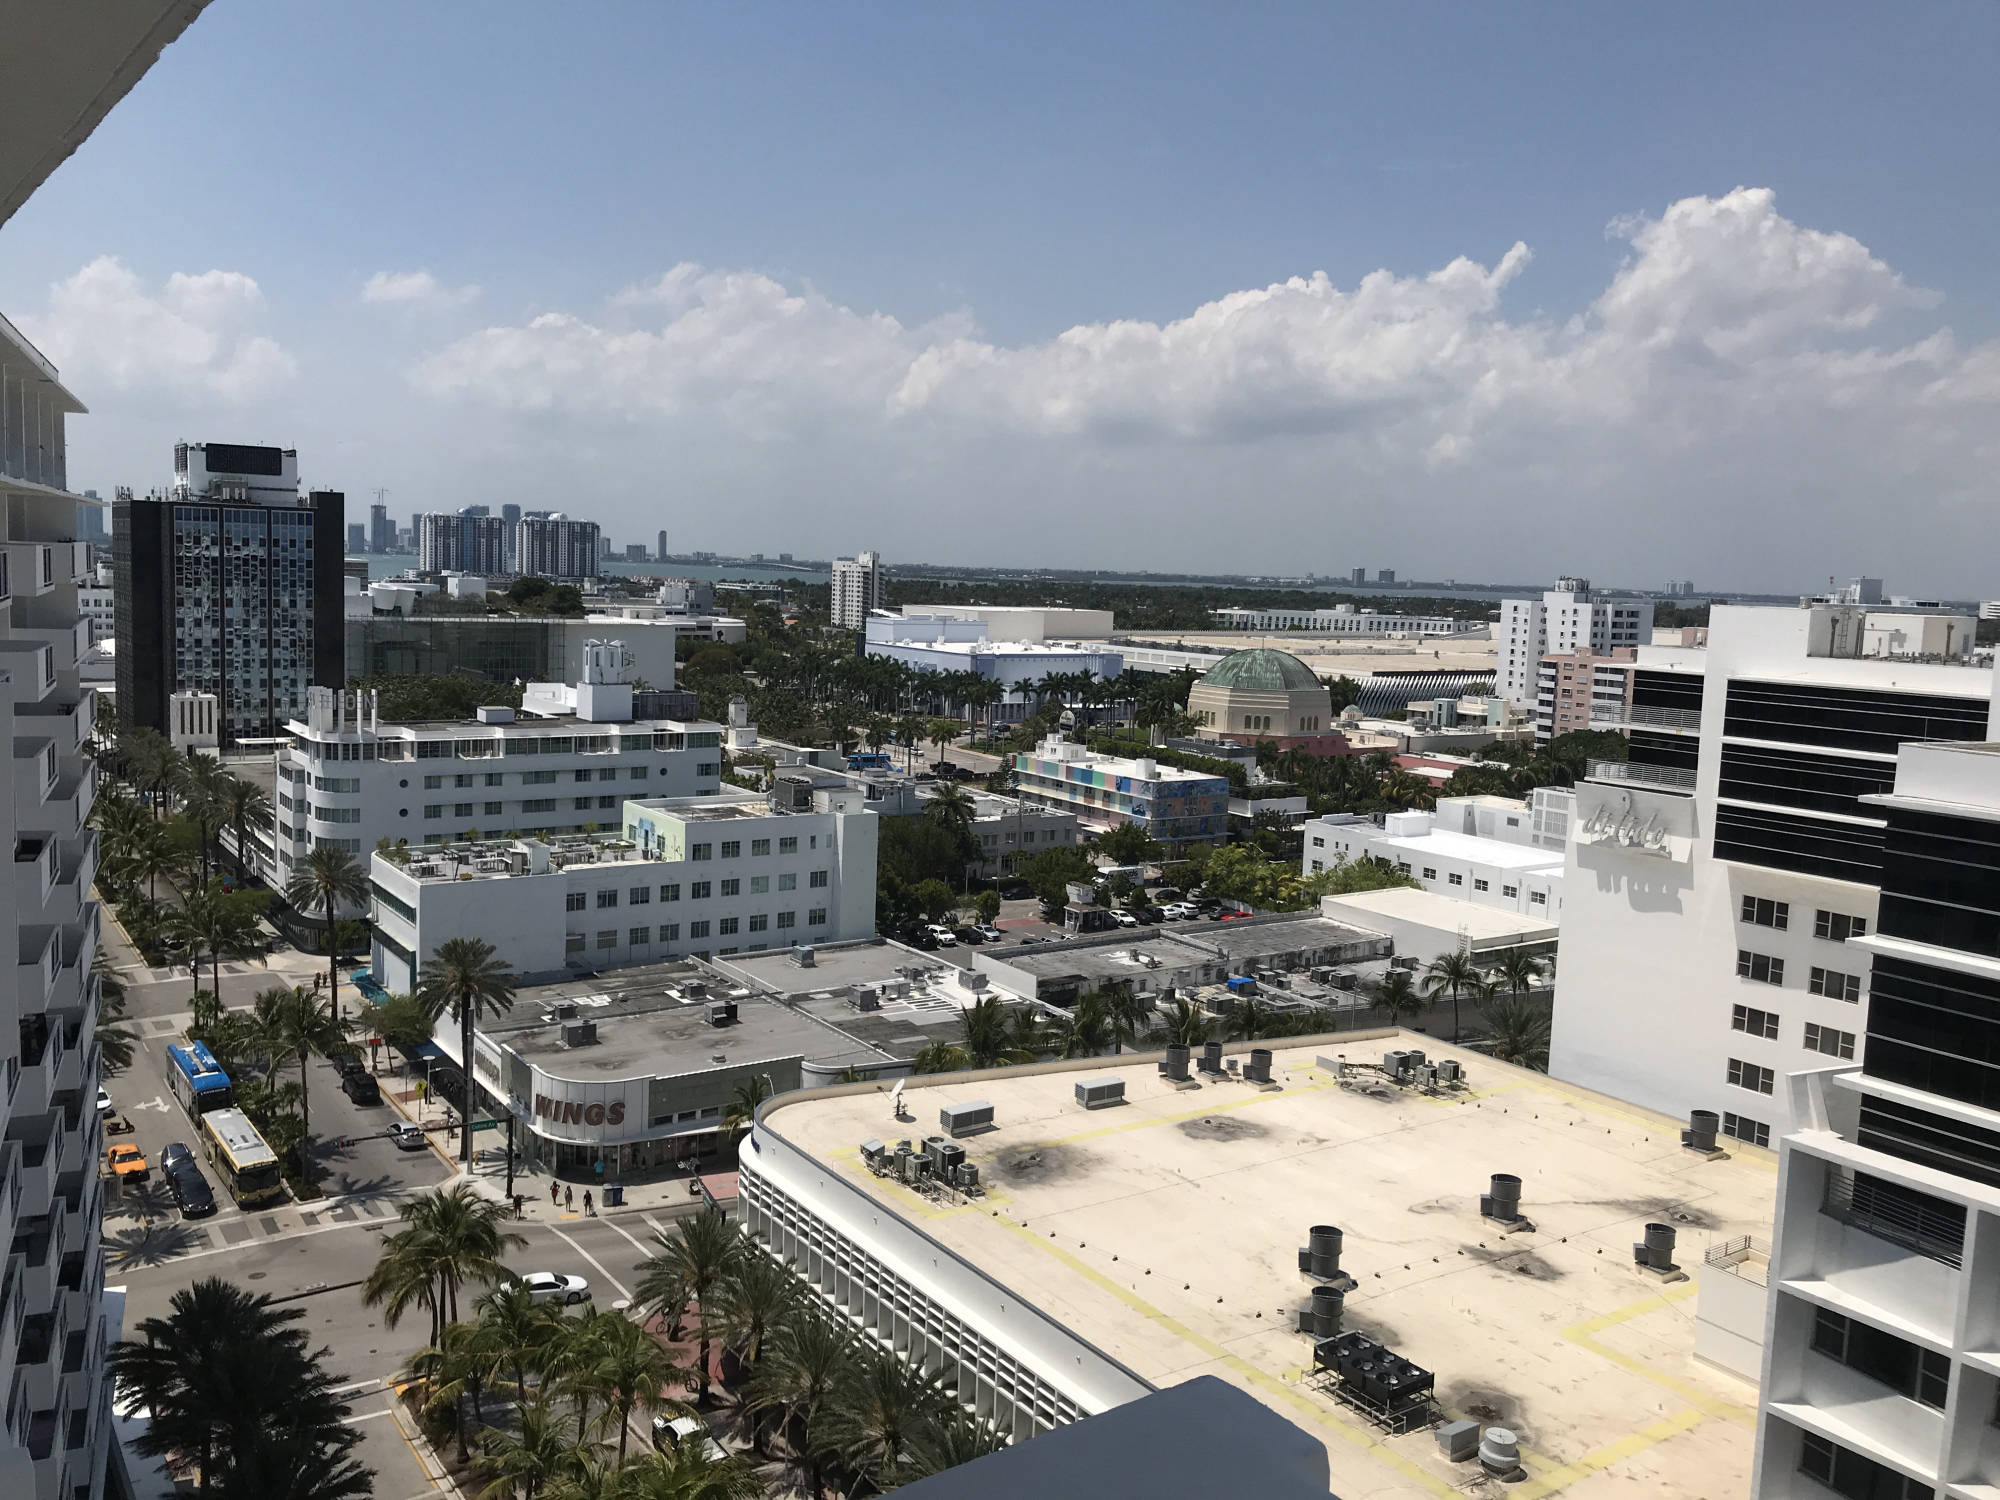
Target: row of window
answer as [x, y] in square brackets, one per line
[1748, 1019]
[530, 778]
[733, 848]
[670, 932]
[1479, 882]
[1763, 968]
[697, 890]
[1834, 926]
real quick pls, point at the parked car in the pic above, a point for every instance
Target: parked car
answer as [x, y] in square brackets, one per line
[176, 1155]
[127, 1163]
[968, 935]
[919, 938]
[1016, 890]
[350, 1065]
[989, 933]
[671, 1434]
[407, 1136]
[1124, 919]
[104, 1105]
[942, 934]
[554, 1286]
[361, 1087]
[1027, 940]
[189, 1187]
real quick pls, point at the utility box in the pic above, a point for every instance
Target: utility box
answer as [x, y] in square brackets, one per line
[1095, 1093]
[963, 1119]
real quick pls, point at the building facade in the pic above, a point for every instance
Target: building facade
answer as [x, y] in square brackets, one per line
[857, 589]
[1879, 1375]
[1718, 879]
[1176, 807]
[230, 584]
[1491, 851]
[1575, 688]
[1261, 695]
[946, 645]
[551, 545]
[55, 1428]
[1567, 618]
[530, 648]
[462, 543]
[687, 876]
[1345, 619]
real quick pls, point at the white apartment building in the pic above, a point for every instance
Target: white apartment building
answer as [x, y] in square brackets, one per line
[1500, 852]
[463, 542]
[552, 545]
[1717, 880]
[1880, 1375]
[857, 589]
[563, 765]
[94, 603]
[1567, 618]
[1345, 619]
[736, 872]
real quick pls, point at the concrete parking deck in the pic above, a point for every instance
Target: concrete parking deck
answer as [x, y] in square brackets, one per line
[1166, 1233]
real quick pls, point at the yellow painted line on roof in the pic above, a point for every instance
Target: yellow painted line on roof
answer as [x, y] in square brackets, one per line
[1549, 1481]
[1707, 1402]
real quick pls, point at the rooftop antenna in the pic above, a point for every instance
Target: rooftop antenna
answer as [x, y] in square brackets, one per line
[896, 1100]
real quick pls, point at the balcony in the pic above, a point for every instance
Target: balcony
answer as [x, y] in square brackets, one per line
[39, 962]
[32, 664]
[40, 1164]
[1745, 1257]
[1644, 716]
[66, 813]
[1626, 772]
[75, 869]
[34, 568]
[34, 872]
[69, 724]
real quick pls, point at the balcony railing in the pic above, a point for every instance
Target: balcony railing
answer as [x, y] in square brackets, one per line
[1743, 1256]
[1671, 778]
[1645, 716]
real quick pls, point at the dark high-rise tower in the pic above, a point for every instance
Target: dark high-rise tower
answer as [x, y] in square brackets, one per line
[229, 584]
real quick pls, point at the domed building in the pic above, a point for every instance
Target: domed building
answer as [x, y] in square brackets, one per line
[1261, 695]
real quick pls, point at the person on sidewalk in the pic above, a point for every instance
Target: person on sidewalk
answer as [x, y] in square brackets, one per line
[588, 1212]
[555, 1193]
[569, 1197]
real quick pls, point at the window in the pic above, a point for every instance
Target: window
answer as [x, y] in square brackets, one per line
[788, 918]
[574, 901]
[581, 776]
[538, 778]
[432, 783]
[1760, 912]
[760, 846]
[1848, 1473]
[639, 895]
[1510, 891]
[573, 943]
[727, 927]
[608, 938]
[639, 937]
[607, 773]
[1538, 898]
[464, 778]
[789, 844]
[818, 881]
[708, 768]
[670, 932]
[760, 885]
[1838, 927]
[1743, 1128]
[607, 801]
[816, 917]
[760, 923]
[583, 804]
[606, 900]
[1430, 872]
[1751, 1076]
[461, 809]
[639, 773]
[433, 809]
[732, 848]
[492, 809]
[670, 892]
[697, 929]
[538, 804]
[698, 890]
[1833, 983]
[1748, 1018]
[1760, 967]
[701, 851]
[1480, 885]
[732, 887]
[1456, 878]
[495, 778]
[1830, 1041]
[789, 881]
[1319, 843]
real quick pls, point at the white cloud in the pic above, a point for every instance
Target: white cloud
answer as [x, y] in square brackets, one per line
[420, 287]
[194, 336]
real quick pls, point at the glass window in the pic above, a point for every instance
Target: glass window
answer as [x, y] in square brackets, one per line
[1833, 983]
[789, 844]
[670, 932]
[1828, 1040]
[726, 927]
[433, 809]
[432, 783]
[1762, 912]
[697, 929]
[606, 899]
[788, 918]
[788, 881]
[759, 884]
[1756, 1022]
[639, 937]
[760, 923]
[816, 917]
[1759, 966]
[670, 892]
[732, 848]
[1838, 927]
[760, 846]
[574, 901]
[819, 880]
[700, 851]
[1743, 1128]
[698, 890]
[608, 938]
[1751, 1076]
[732, 887]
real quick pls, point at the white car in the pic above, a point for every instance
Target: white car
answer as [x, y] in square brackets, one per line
[1125, 919]
[104, 1105]
[1180, 911]
[676, 1433]
[944, 935]
[991, 933]
[553, 1286]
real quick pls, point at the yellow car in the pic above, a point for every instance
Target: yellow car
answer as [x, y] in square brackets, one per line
[127, 1163]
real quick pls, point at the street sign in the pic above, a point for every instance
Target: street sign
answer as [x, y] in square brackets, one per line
[487, 1124]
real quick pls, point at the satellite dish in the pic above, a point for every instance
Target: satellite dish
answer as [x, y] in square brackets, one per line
[896, 1098]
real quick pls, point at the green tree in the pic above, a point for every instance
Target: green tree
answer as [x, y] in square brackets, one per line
[987, 1034]
[1455, 973]
[692, 1263]
[328, 879]
[1129, 844]
[1521, 1032]
[1397, 998]
[541, 1451]
[116, 1042]
[879, 1407]
[986, 905]
[744, 1102]
[631, 1369]
[1518, 970]
[941, 1057]
[946, 1441]
[798, 1376]
[951, 805]
[1185, 1024]
[304, 1026]
[755, 1303]
[519, 1328]
[241, 804]
[453, 1238]
[465, 979]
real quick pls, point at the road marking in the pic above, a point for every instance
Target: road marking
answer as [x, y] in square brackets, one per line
[622, 1289]
[368, 1416]
[655, 1225]
[634, 1243]
[358, 1386]
[156, 1102]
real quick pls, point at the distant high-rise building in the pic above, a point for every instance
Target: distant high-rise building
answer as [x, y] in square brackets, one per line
[381, 530]
[603, 545]
[462, 543]
[90, 520]
[511, 515]
[1568, 618]
[662, 553]
[1360, 575]
[230, 584]
[357, 538]
[475, 510]
[551, 545]
[784, 557]
[857, 589]
[1387, 575]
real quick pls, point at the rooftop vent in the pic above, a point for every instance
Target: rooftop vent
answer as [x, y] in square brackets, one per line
[963, 1119]
[1502, 1202]
[1702, 1127]
[722, 1013]
[1656, 1251]
[493, 713]
[803, 957]
[579, 1033]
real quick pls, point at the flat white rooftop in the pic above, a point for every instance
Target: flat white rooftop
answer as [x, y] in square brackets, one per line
[1473, 849]
[1165, 1232]
[1429, 908]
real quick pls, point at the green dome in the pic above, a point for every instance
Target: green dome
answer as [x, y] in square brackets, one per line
[1262, 671]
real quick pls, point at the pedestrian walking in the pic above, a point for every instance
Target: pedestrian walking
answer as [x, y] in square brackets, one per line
[569, 1197]
[555, 1193]
[588, 1212]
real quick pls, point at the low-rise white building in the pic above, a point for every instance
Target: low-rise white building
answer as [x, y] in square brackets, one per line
[1490, 851]
[737, 872]
[937, 644]
[1345, 619]
[1176, 807]
[1009, 623]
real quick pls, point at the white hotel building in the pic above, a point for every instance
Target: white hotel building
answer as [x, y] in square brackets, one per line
[1567, 618]
[1500, 852]
[1718, 881]
[736, 872]
[565, 764]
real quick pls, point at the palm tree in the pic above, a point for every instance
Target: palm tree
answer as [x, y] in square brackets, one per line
[693, 1262]
[754, 1304]
[520, 1328]
[330, 878]
[1518, 970]
[952, 806]
[302, 1026]
[1087, 1030]
[1397, 998]
[1127, 1014]
[946, 1442]
[878, 1409]
[941, 1057]
[744, 1103]
[989, 1037]
[242, 803]
[1521, 1033]
[798, 1376]
[465, 978]
[1455, 972]
[631, 1370]
[1185, 1025]
[1248, 1020]
[449, 1371]
[200, 786]
[454, 1238]
[686, 1473]
[542, 1451]
[152, 855]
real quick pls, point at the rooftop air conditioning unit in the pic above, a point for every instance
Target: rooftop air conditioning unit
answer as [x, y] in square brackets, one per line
[579, 1033]
[564, 1010]
[803, 956]
[722, 1013]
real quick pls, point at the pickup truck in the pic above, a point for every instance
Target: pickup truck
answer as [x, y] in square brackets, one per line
[127, 1163]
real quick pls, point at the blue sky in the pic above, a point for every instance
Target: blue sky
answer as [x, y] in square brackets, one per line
[918, 228]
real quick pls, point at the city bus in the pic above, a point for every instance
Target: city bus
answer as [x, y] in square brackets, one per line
[197, 1079]
[247, 1167]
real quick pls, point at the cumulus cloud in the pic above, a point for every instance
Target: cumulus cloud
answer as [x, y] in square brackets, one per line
[415, 287]
[194, 335]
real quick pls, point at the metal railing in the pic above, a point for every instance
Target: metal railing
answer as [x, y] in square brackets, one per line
[1743, 1255]
[1902, 1216]
[1674, 778]
[1645, 716]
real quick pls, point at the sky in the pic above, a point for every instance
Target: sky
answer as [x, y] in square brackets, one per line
[1473, 292]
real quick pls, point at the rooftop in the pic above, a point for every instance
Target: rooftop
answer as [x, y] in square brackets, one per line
[1479, 924]
[1233, 946]
[1471, 847]
[1165, 1232]
[1262, 670]
[650, 1024]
